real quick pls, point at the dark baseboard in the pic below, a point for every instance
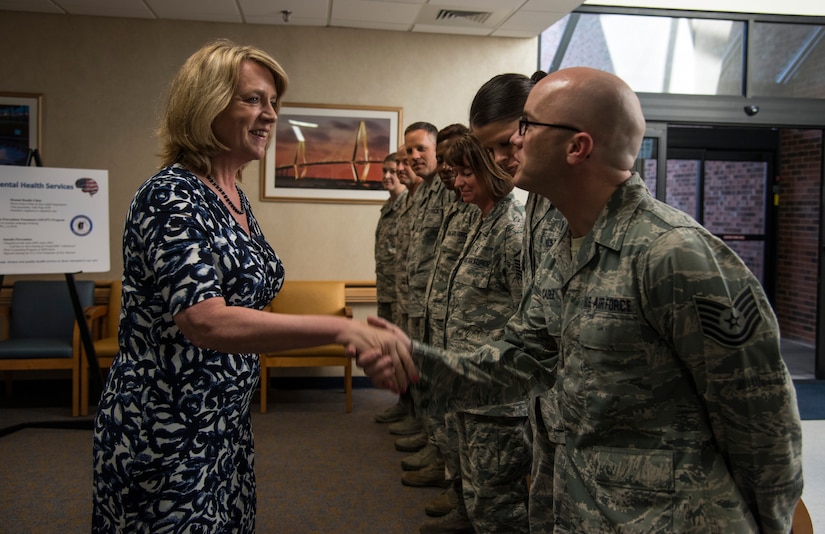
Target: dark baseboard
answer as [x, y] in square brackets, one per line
[317, 382]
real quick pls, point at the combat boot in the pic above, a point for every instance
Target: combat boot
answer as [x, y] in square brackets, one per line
[394, 413]
[406, 427]
[454, 522]
[442, 505]
[413, 443]
[421, 459]
[430, 476]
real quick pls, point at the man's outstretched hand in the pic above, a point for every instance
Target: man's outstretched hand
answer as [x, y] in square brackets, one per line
[389, 366]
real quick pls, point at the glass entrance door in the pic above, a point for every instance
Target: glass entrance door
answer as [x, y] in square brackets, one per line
[724, 179]
[727, 193]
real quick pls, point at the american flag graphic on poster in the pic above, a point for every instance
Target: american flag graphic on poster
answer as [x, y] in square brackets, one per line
[87, 185]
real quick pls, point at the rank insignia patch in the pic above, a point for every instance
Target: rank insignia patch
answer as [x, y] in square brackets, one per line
[729, 325]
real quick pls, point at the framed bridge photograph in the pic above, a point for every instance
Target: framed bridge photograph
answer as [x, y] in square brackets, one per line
[330, 153]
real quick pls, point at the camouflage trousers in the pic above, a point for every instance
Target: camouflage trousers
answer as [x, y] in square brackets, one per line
[401, 320]
[434, 331]
[541, 485]
[415, 328]
[436, 429]
[492, 459]
[385, 311]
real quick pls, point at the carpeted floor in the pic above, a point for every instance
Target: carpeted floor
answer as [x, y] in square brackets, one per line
[319, 469]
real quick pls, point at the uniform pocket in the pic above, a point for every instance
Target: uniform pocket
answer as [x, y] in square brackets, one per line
[474, 271]
[638, 469]
[633, 489]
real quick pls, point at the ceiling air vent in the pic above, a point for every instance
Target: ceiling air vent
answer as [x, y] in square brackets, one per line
[479, 17]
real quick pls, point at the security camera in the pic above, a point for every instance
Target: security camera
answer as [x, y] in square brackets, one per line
[751, 110]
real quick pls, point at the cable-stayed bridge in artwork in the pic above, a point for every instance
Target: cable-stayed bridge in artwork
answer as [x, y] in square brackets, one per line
[340, 173]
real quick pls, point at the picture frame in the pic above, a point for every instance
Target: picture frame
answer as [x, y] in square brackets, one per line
[20, 127]
[329, 153]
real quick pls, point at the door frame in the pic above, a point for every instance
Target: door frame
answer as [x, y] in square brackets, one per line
[664, 110]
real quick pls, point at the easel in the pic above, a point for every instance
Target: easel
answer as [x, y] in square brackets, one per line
[85, 338]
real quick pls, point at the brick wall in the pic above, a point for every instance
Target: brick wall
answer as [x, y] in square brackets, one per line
[799, 210]
[733, 203]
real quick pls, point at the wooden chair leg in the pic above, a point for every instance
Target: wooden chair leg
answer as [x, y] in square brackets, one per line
[264, 386]
[84, 387]
[76, 391]
[7, 380]
[348, 384]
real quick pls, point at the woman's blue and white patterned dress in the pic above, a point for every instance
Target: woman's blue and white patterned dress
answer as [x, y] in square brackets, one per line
[173, 439]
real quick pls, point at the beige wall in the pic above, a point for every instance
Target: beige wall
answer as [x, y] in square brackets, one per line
[104, 81]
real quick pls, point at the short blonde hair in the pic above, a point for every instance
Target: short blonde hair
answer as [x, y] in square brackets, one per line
[202, 89]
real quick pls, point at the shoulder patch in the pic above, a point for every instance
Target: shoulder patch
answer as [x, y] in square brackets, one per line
[729, 325]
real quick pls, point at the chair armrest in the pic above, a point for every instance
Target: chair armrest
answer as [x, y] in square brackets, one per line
[95, 312]
[94, 318]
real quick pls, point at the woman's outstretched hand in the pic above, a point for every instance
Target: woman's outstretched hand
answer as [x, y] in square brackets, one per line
[387, 359]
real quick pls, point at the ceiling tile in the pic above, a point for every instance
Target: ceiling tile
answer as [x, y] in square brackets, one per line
[394, 26]
[452, 30]
[107, 8]
[477, 5]
[200, 10]
[34, 6]
[510, 18]
[303, 13]
[349, 12]
[533, 22]
[551, 5]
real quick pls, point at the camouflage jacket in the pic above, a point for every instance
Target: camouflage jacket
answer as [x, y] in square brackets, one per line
[541, 226]
[675, 410]
[385, 249]
[458, 219]
[485, 284]
[485, 288]
[429, 215]
[402, 249]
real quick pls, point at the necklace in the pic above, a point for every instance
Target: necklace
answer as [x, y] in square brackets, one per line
[225, 196]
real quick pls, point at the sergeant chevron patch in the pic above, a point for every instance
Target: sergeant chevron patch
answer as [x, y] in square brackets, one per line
[729, 325]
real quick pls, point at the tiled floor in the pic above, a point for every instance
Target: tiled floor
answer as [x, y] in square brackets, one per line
[813, 465]
[799, 358]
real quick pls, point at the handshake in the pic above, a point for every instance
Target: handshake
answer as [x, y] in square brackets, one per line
[383, 351]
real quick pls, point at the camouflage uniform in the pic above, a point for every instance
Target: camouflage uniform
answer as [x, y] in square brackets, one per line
[429, 215]
[489, 453]
[542, 222]
[485, 285]
[676, 411]
[385, 250]
[402, 248]
[541, 226]
[458, 218]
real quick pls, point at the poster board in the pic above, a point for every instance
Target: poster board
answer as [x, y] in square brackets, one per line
[53, 220]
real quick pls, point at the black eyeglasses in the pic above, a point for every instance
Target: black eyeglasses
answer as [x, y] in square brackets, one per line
[524, 123]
